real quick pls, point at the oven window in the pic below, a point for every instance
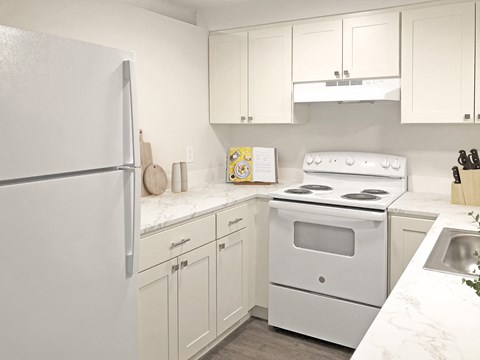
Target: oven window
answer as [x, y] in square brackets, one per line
[324, 238]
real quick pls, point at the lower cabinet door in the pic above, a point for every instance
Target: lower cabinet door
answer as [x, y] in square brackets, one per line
[406, 235]
[158, 312]
[196, 300]
[231, 279]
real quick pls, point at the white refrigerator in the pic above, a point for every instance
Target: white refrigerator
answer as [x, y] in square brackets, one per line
[69, 199]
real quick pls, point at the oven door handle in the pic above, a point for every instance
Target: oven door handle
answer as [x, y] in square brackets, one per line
[328, 210]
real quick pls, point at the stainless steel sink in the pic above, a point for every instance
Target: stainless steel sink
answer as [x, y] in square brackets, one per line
[453, 252]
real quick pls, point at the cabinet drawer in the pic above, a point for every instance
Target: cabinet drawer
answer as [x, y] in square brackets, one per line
[231, 220]
[167, 244]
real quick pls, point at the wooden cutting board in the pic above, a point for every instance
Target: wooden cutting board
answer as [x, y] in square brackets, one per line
[145, 159]
[155, 179]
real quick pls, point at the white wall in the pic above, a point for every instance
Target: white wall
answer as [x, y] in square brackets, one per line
[253, 12]
[172, 70]
[431, 150]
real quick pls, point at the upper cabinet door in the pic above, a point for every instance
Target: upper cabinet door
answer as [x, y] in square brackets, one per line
[438, 45]
[270, 75]
[371, 46]
[228, 78]
[317, 51]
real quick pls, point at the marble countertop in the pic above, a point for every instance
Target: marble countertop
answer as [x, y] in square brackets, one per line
[172, 208]
[424, 205]
[428, 315]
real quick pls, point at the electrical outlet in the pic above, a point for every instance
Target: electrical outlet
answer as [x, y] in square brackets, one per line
[189, 154]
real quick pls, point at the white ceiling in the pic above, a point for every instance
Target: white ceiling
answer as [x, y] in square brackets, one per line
[200, 4]
[184, 10]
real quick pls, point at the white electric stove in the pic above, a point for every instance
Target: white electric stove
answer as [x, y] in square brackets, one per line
[328, 244]
[350, 179]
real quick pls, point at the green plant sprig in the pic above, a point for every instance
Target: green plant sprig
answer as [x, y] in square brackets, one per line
[475, 283]
[475, 217]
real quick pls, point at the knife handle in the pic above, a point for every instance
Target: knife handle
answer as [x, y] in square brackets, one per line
[474, 159]
[463, 160]
[456, 175]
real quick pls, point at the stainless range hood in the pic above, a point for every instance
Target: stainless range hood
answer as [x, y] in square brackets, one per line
[345, 91]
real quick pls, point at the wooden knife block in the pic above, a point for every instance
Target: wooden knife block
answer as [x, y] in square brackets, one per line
[468, 192]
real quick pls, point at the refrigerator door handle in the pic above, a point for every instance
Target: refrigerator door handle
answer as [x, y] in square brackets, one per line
[129, 76]
[130, 241]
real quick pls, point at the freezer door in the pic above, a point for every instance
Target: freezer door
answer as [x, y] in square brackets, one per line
[65, 105]
[65, 289]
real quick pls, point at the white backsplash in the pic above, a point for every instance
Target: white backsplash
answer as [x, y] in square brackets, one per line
[431, 149]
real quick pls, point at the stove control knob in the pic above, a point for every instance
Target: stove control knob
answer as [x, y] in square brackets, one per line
[317, 160]
[396, 164]
[309, 160]
[349, 161]
[386, 163]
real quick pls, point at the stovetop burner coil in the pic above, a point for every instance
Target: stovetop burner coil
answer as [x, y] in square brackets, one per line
[375, 192]
[298, 191]
[316, 187]
[360, 196]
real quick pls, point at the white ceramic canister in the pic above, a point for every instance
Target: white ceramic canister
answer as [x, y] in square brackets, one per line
[184, 175]
[176, 178]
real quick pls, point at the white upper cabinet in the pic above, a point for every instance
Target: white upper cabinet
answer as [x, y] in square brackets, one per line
[270, 75]
[317, 51]
[438, 49]
[228, 78]
[251, 77]
[371, 46]
[359, 47]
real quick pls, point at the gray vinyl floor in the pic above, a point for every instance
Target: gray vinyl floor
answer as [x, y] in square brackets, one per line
[255, 340]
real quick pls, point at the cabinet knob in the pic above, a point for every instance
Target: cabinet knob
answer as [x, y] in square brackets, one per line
[184, 263]
[478, 117]
[250, 118]
[337, 73]
[242, 118]
[175, 268]
[467, 116]
[346, 73]
[221, 246]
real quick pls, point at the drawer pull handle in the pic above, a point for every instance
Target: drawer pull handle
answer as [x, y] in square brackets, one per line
[231, 222]
[221, 246]
[181, 242]
[184, 263]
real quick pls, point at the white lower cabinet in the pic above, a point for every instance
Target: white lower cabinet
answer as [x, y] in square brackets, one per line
[196, 300]
[177, 306]
[201, 291]
[406, 235]
[232, 272]
[158, 312]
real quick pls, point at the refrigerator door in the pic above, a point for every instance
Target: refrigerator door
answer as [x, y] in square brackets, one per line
[65, 105]
[65, 292]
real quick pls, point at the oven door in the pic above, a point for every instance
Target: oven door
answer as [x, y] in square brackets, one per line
[341, 252]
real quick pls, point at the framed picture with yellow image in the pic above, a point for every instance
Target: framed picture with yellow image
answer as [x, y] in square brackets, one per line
[252, 165]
